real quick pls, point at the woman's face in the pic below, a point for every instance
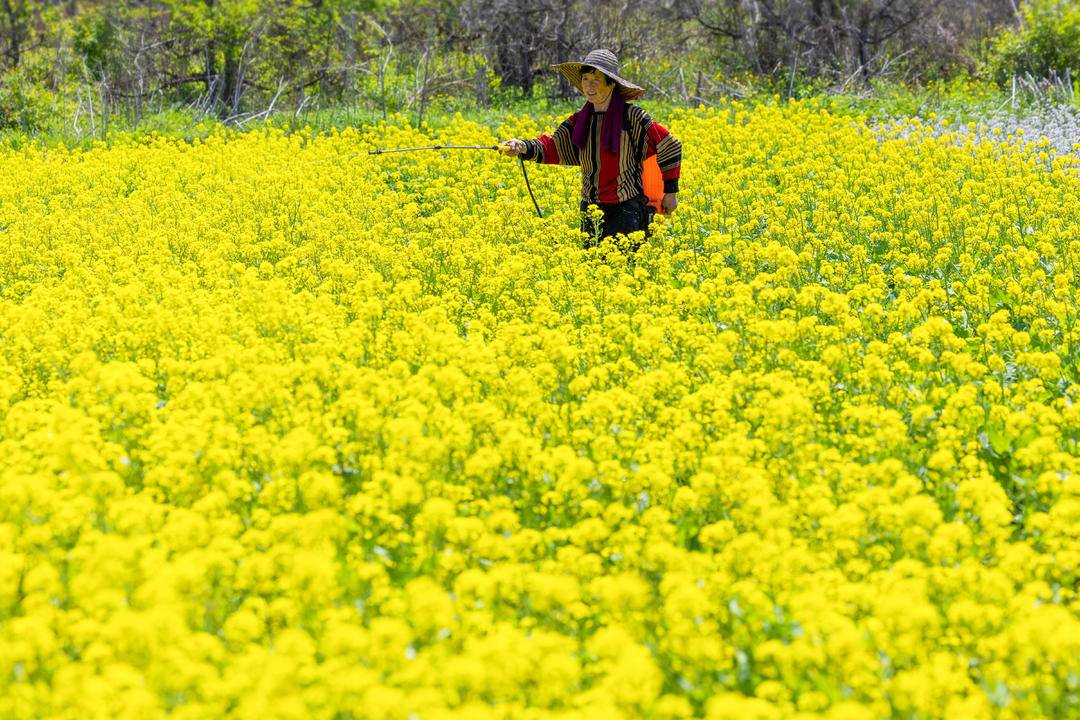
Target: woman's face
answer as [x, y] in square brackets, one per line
[595, 85]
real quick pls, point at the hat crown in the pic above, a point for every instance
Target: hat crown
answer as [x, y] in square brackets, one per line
[603, 60]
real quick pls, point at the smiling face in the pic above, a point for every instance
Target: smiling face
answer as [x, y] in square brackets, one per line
[596, 85]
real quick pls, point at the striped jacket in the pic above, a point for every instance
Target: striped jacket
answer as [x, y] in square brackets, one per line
[606, 177]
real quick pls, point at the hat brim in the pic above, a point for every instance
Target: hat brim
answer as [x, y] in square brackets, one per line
[572, 72]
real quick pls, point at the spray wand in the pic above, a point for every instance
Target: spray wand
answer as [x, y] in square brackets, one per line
[524, 172]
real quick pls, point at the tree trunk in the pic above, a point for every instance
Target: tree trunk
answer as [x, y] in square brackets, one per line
[230, 77]
[862, 45]
[15, 29]
[210, 53]
[210, 74]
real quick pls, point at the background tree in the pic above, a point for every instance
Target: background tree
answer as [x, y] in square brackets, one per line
[1045, 44]
[838, 40]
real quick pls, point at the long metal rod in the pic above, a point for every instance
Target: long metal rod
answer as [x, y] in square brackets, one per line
[528, 185]
[434, 147]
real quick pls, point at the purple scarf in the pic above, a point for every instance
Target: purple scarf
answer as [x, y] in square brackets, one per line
[610, 131]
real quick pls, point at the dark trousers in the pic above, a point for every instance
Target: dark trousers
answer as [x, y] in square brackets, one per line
[625, 217]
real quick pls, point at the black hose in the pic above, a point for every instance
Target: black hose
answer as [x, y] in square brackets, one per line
[529, 186]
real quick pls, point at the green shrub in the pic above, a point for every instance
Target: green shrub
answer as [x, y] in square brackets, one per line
[1046, 43]
[95, 42]
[25, 106]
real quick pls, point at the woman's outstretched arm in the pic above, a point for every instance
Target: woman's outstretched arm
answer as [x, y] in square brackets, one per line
[554, 149]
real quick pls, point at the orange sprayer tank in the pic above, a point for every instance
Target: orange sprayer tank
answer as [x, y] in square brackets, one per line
[653, 183]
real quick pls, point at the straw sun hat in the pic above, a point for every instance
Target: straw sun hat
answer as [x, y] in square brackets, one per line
[606, 62]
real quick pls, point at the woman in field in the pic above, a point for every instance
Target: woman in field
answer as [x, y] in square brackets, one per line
[609, 139]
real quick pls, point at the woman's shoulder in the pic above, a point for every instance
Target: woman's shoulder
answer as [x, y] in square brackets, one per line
[637, 114]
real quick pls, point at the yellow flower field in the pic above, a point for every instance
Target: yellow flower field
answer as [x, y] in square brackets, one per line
[292, 431]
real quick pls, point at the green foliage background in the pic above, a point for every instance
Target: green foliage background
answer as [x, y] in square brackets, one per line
[1046, 44]
[82, 69]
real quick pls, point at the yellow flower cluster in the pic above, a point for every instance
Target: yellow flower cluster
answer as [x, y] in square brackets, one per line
[292, 431]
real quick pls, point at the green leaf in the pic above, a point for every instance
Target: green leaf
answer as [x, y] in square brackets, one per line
[999, 440]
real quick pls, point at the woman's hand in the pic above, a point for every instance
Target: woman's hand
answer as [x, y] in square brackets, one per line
[512, 147]
[670, 202]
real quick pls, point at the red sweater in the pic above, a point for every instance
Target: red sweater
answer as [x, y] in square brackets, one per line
[607, 178]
